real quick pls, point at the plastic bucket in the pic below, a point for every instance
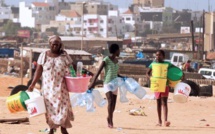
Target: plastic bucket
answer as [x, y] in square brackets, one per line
[181, 92]
[172, 84]
[159, 70]
[35, 93]
[77, 84]
[174, 74]
[157, 84]
[16, 102]
[36, 106]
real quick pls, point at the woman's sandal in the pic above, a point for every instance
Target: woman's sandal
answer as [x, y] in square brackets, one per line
[63, 130]
[167, 123]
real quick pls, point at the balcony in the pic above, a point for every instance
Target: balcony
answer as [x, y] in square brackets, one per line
[91, 24]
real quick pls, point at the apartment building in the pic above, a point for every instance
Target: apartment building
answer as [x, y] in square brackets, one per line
[93, 7]
[149, 3]
[132, 21]
[37, 13]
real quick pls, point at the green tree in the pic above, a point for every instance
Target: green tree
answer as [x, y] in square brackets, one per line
[11, 28]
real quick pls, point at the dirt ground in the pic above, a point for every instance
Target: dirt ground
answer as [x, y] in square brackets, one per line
[196, 116]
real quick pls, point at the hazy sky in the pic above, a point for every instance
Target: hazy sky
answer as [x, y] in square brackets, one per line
[176, 4]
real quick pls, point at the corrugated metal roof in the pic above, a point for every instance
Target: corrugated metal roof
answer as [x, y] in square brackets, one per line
[69, 38]
[69, 51]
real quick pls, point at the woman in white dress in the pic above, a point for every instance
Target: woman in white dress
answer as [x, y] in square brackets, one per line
[53, 66]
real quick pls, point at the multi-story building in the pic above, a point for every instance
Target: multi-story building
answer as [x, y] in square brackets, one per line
[132, 21]
[116, 24]
[69, 22]
[5, 13]
[149, 3]
[37, 13]
[93, 7]
[152, 17]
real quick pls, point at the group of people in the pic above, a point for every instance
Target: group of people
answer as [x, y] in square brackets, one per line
[53, 65]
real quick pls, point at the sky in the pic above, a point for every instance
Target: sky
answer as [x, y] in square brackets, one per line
[176, 4]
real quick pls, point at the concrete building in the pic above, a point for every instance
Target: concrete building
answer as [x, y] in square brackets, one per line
[69, 22]
[6, 13]
[116, 24]
[149, 3]
[152, 17]
[132, 21]
[93, 7]
[38, 13]
[209, 41]
[167, 16]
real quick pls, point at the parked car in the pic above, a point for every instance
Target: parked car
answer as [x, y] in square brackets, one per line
[207, 73]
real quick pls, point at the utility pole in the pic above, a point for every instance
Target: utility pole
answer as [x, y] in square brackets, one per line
[192, 32]
[116, 33]
[203, 34]
[21, 68]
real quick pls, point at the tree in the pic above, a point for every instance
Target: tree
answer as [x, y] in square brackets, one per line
[11, 28]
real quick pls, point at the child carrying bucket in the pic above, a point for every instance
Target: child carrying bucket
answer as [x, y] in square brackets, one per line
[161, 97]
[110, 63]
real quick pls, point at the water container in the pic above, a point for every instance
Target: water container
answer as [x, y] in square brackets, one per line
[131, 84]
[123, 92]
[120, 81]
[113, 85]
[89, 102]
[79, 69]
[140, 92]
[99, 100]
[74, 99]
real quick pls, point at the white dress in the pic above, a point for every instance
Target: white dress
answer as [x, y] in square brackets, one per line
[54, 90]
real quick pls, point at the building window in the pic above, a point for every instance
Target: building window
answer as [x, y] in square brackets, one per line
[128, 18]
[101, 21]
[101, 29]
[92, 6]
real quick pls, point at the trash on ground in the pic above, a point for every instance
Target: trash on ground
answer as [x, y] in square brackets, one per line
[137, 112]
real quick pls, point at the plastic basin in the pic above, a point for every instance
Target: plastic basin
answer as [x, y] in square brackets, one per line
[77, 84]
[174, 74]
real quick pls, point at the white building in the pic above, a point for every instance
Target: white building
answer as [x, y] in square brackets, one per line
[117, 26]
[37, 13]
[6, 13]
[69, 22]
[132, 21]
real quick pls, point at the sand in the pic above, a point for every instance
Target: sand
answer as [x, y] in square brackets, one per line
[185, 118]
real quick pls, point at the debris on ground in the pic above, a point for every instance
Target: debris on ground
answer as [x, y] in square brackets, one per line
[137, 112]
